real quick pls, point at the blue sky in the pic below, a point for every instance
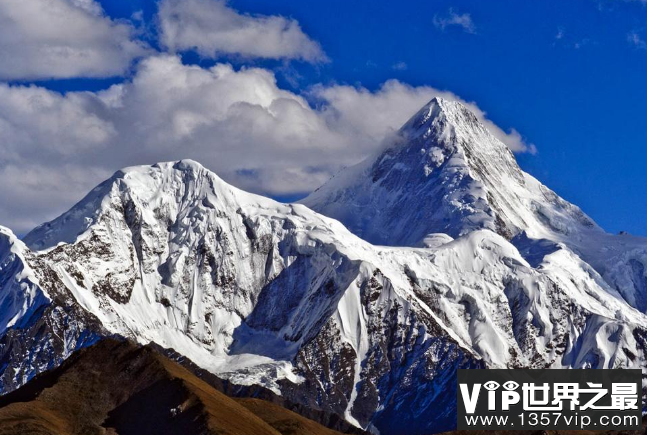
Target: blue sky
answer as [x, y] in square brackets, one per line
[581, 99]
[568, 76]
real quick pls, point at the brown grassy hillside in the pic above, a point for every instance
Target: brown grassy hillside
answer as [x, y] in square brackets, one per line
[117, 388]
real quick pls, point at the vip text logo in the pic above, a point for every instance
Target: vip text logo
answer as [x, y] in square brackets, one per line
[549, 399]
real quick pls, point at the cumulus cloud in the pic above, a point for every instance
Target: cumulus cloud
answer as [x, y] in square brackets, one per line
[238, 123]
[464, 21]
[33, 192]
[42, 39]
[212, 28]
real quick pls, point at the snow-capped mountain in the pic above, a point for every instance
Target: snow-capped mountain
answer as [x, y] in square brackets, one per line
[275, 294]
[251, 289]
[446, 174]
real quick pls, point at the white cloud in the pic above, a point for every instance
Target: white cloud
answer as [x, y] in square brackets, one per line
[63, 38]
[32, 192]
[378, 114]
[452, 18]
[636, 40]
[238, 123]
[212, 28]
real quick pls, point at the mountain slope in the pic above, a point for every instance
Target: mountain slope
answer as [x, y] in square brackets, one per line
[118, 388]
[41, 322]
[447, 174]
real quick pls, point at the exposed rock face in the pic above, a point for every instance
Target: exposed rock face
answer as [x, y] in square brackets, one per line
[277, 295]
[42, 324]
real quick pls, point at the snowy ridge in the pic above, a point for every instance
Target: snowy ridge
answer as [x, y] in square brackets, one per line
[500, 273]
[446, 174]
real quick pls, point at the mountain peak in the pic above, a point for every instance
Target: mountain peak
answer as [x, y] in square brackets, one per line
[173, 185]
[434, 178]
[187, 166]
[439, 106]
[446, 173]
[450, 124]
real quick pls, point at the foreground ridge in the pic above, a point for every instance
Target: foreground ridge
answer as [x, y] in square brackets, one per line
[119, 388]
